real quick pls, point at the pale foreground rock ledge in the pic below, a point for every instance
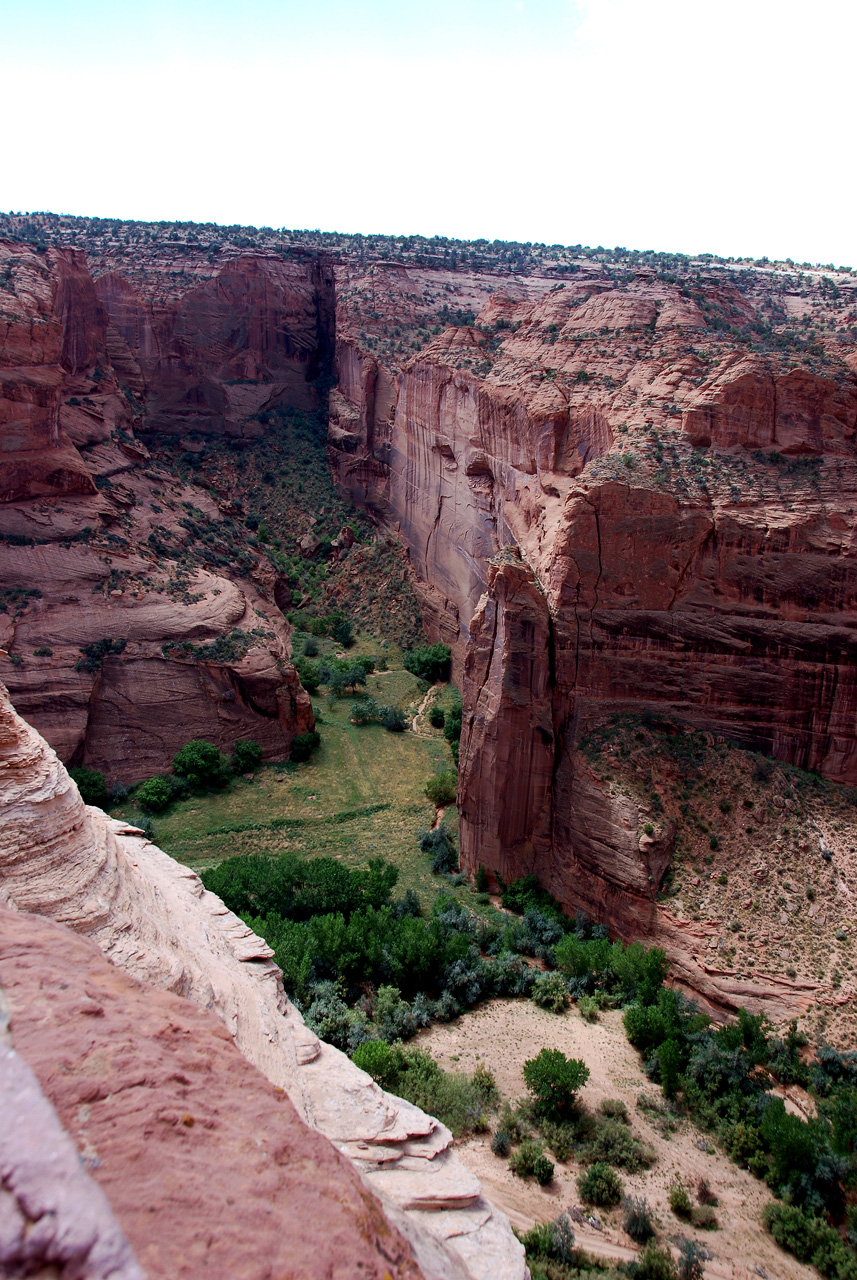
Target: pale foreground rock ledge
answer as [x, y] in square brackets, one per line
[153, 918]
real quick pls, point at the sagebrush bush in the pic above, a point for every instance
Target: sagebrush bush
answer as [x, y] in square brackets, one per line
[655, 1263]
[530, 1161]
[600, 1185]
[637, 1218]
[501, 1143]
[588, 1008]
[614, 1144]
[679, 1198]
[550, 991]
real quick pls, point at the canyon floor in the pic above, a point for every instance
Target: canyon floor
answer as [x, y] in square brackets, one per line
[360, 796]
[503, 1034]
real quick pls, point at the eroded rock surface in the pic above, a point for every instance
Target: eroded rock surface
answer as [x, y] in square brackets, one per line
[156, 922]
[93, 541]
[54, 1220]
[205, 1164]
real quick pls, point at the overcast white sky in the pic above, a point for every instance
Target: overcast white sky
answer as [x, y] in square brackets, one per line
[723, 127]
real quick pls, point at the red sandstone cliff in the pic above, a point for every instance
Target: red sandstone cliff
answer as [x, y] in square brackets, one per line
[96, 537]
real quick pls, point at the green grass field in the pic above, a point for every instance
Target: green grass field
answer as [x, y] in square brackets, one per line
[359, 797]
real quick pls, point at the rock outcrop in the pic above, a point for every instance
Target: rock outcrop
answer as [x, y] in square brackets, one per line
[155, 921]
[205, 1164]
[54, 1220]
[125, 643]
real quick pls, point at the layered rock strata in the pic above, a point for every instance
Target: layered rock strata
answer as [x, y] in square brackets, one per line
[155, 921]
[124, 646]
[614, 511]
[205, 1164]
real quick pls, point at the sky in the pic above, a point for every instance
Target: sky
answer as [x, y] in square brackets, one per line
[681, 125]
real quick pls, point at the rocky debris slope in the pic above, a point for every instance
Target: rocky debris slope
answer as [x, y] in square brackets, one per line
[135, 614]
[204, 1162]
[155, 921]
[53, 1218]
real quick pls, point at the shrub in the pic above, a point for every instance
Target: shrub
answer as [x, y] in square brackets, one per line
[615, 1109]
[437, 717]
[550, 991]
[430, 662]
[614, 1144]
[440, 844]
[600, 1185]
[392, 1015]
[392, 719]
[810, 1239]
[530, 1161]
[655, 1263]
[588, 1008]
[637, 1218]
[452, 728]
[155, 795]
[43, 652]
[94, 654]
[118, 793]
[303, 745]
[553, 1240]
[501, 1143]
[246, 755]
[560, 1138]
[459, 1101]
[704, 1217]
[679, 1198]
[555, 1081]
[308, 674]
[91, 785]
[442, 789]
[481, 879]
[310, 647]
[704, 1194]
[343, 633]
[202, 764]
[690, 1263]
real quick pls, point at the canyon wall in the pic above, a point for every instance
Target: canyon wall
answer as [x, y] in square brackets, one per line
[125, 643]
[617, 509]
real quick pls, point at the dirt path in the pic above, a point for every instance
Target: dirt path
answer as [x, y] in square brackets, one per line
[503, 1034]
[433, 690]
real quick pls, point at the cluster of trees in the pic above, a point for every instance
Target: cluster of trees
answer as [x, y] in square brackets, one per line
[199, 767]
[429, 662]
[340, 675]
[368, 711]
[335, 624]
